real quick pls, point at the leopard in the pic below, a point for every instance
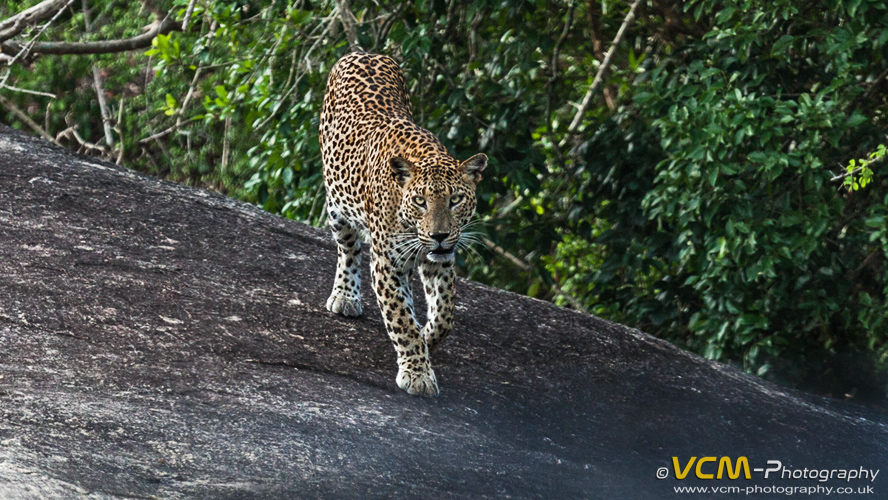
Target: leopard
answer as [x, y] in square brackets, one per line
[392, 185]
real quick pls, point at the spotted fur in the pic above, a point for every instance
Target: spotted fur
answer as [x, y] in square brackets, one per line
[393, 180]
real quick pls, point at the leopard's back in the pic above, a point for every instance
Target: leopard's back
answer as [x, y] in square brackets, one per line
[365, 94]
[364, 87]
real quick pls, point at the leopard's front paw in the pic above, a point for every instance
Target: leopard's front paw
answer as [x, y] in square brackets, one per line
[418, 382]
[344, 304]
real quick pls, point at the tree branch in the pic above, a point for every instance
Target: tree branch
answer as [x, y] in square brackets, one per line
[841, 176]
[502, 252]
[226, 145]
[393, 17]
[179, 112]
[72, 131]
[142, 41]
[529, 268]
[99, 86]
[599, 77]
[348, 24]
[23, 50]
[26, 91]
[16, 24]
[103, 105]
[188, 12]
[118, 128]
[25, 119]
[553, 78]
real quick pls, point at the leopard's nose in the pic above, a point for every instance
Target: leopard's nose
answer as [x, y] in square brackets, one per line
[440, 237]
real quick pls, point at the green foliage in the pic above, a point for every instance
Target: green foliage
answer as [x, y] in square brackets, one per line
[858, 172]
[697, 201]
[768, 260]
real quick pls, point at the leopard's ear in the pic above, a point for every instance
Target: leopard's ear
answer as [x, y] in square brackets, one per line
[473, 167]
[402, 170]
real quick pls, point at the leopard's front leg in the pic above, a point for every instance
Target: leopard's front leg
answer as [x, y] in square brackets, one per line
[346, 296]
[392, 287]
[437, 281]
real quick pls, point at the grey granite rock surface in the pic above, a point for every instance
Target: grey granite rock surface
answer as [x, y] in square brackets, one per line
[159, 341]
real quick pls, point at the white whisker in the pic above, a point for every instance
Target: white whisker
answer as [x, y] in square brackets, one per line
[473, 222]
[416, 254]
[471, 241]
[471, 249]
[404, 244]
[473, 233]
[406, 253]
[401, 236]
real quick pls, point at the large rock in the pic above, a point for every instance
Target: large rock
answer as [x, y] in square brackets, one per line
[158, 341]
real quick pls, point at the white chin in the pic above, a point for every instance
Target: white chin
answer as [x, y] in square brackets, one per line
[440, 257]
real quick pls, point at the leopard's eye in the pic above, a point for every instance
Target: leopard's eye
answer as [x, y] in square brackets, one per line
[457, 199]
[419, 201]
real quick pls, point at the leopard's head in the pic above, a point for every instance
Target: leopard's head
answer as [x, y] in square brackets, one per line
[437, 202]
